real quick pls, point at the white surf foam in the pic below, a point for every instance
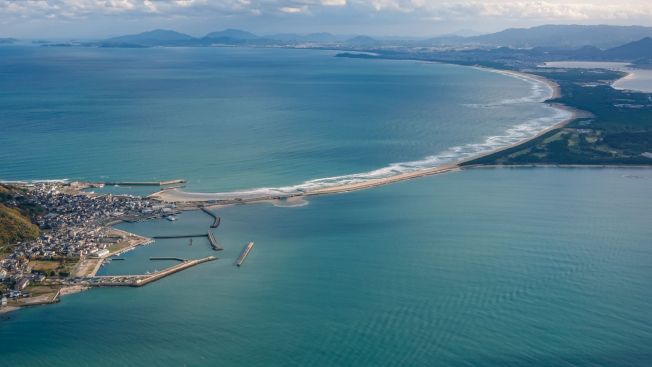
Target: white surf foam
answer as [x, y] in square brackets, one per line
[54, 180]
[540, 92]
[454, 154]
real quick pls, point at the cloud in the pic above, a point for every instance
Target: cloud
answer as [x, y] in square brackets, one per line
[405, 16]
[293, 9]
[552, 9]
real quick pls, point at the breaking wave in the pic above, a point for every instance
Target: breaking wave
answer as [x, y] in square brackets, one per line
[540, 91]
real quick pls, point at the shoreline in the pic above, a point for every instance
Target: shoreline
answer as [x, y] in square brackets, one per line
[630, 70]
[197, 198]
[87, 267]
[56, 298]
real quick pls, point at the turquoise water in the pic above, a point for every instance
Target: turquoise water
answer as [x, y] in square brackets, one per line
[235, 118]
[536, 267]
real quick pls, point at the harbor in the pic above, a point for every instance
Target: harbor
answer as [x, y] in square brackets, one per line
[140, 280]
[101, 243]
[145, 183]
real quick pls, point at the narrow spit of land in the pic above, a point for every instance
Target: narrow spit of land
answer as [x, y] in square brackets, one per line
[197, 199]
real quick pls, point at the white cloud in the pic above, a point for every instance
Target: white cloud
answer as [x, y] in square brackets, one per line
[553, 9]
[417, 15]
[333, 2]
[292, 9]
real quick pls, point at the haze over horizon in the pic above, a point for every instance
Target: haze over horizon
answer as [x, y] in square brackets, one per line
[418, 18]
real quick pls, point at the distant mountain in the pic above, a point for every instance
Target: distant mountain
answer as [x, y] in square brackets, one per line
[361, 41]
[322, 37]
[302, 38]
[7, 41]
[158, 37]
[444, 40]
[641, 49]
[463, 33]
[563, 36]
[233, 34]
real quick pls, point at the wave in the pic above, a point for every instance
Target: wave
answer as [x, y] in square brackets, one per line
[23, 182]
[454, 154]
[540, 92]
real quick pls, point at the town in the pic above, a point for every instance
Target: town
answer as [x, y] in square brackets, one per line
[75, 236]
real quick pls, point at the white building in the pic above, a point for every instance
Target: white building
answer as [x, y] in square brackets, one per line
[99, 253]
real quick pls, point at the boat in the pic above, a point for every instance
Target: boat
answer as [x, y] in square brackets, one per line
[171, 218]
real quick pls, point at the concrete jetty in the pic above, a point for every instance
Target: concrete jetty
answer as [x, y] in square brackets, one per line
[141, 280]
[216, 219]
[167, 258]
[145, 183]
[243, 255]
[214, 244]
[178, 236]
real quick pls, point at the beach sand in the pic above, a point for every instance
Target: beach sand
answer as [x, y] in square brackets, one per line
[177, 196]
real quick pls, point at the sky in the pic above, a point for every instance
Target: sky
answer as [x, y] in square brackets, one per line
[88, 19]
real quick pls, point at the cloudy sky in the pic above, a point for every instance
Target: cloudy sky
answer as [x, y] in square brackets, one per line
[101, 18]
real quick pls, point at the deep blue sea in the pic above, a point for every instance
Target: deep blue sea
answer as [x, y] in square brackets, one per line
[483, 267]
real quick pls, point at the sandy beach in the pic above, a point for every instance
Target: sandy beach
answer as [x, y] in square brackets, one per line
[635, 80]
[177, 196]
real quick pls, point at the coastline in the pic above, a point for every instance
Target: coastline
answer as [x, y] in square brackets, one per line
[630, 71]
[196, 198]
[630, 74]
[87, 267]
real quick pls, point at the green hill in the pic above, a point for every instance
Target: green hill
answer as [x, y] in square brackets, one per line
[15, 226]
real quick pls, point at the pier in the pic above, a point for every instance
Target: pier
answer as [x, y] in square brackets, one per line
[168, 258]
[142, 279]
[243, 255]
[216, 219]
[146, 183]
[178, 236]
[214, 244]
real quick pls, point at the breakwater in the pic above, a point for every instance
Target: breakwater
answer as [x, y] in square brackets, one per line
[167, 258]
[142, 279]
[179, 236]
[243, 255]
[145, 183]
[214, 244]
[216, 219]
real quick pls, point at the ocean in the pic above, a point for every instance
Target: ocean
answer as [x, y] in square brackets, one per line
[235, 118]
[482, 267]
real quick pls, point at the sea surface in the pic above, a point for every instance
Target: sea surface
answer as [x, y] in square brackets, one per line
[486, 267]
[482, 267]
[237, 118]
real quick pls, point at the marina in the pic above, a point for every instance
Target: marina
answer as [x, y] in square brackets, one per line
[140, 280]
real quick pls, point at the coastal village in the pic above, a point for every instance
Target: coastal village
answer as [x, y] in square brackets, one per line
[75, 238]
